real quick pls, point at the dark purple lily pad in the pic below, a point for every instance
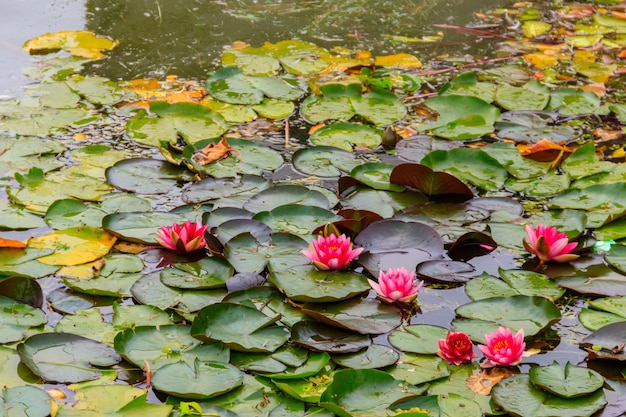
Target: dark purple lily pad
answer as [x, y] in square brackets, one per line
[446, 271]
[436, 185]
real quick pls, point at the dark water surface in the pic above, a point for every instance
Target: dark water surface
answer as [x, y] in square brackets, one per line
[187, 37]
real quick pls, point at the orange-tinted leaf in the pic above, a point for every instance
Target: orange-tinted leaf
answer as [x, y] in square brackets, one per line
[541, 60]
[316, 127]
[483, 382]
[622, 53]
[577, 11]
[398, 61]
[10, 243]
[606, 134]
[215, 151]
[544, 151]
[599, 89]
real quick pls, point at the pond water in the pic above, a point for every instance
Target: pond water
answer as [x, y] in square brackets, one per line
[186, 37]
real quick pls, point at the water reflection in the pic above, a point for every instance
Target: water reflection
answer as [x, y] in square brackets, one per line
[186, 37]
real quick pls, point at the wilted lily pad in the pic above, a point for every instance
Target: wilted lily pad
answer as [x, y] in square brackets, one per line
[607, 342]
[74, 246]
[80, 43]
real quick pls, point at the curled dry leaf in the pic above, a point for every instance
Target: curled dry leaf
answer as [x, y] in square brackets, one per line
[482, 382]
[214, 151]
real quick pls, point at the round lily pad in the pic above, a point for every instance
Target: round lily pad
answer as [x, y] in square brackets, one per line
[374, 357]
[239, 327]
[363, 316]
[418, 338]
[518, 396]
[568, 382]
[324, 161]
[274, 197]
[307, 284]
[199, 380]
[162, 345]
[139, 227]
[207, 273]
[324, 338]
[347, 136]
[17, 318]
[65, 357]
[297, 219]
[27, 401]
[146, 176]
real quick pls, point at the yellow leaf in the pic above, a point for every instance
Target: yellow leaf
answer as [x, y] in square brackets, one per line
[81, 43]
[398, 61]
[535, 28]
[84, 271]
[541, 60]
[74, 246]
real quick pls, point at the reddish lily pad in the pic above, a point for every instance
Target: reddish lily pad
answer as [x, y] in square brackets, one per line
[437, 185]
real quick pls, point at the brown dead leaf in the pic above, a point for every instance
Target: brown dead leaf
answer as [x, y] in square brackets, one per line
[132, 248]
[10, 243]
[215, 151]
[606, 134]
[576, 11]
[482, 382]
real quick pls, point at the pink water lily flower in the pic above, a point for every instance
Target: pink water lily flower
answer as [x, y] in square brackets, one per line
[548, 244]
[456, 348]
[502, 348]
[332, 252]
[184, 238]
[396, 284]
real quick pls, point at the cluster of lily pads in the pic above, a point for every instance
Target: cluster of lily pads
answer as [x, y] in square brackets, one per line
[258, 307]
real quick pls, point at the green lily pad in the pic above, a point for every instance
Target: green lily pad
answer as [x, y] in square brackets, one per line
[139, 227]
[374, 357]
[518, 396]
[110, 400]
[375, 175]
[65, 357]
[87, 323]
[146, 176]
[324, 338]
[231, 85]
[27, 401]
[315, 109]
[418, 338]
[307, 390]
[356, 392]
[253, 159]
[274, 197]
[471, 165]
[606, 342]
[513, 282]
[96, 90]
[207, 273]
[15, 218]
[444, 404]
[569, 382]
[347, 136]
[418, 369]
[133, 316]
[532, 127]
[192, 122]
[468, 85]
[159, 346]
[361, 316]
[324, 161]
[532, 314]
[198, 381]
[530, 96]
[225, 192]
[16, 319]
[246, 253]
[315, 362]
[461, 117]
[23, 154]
[274, 109]
[238, 327]
[510, 158]
[584, 162]
[594, 279]
[571, 102]
[23, 290]
[297, 219]
[307, 284]
[379, 107]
